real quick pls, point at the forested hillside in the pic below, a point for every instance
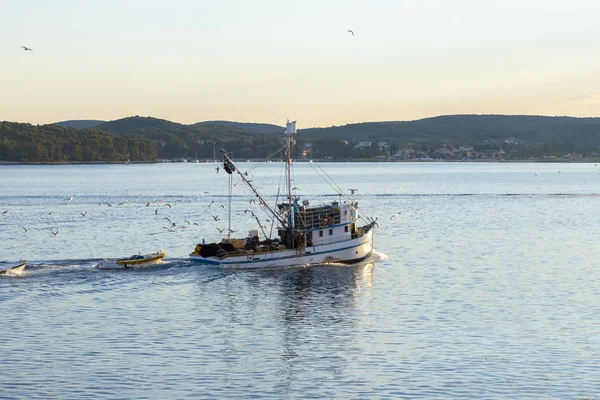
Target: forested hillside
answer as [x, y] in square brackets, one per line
[53, 143]
[189, 141]
[469, 128]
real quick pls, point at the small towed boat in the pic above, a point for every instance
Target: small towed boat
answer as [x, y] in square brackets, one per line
[136, 260]
[17, 267]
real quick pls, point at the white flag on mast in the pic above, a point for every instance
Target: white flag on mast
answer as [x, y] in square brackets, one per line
[290, 127]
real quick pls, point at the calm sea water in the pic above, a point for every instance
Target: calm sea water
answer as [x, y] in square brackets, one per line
[485, 285]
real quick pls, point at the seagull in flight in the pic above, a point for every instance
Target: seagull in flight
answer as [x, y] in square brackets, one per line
[352, 32]
[54, 233]
[26, 48]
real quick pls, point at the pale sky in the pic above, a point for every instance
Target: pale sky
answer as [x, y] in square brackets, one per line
[269, 60]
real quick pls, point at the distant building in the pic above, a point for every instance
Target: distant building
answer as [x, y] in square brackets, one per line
[307, 151]
[362, 144]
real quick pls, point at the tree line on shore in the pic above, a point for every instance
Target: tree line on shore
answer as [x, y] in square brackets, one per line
[51, 143]
[446, 137]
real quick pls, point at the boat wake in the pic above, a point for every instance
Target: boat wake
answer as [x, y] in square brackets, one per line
[44, 267]
[13, 273]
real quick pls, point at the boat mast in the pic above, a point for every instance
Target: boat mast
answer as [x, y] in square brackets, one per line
[290, 130]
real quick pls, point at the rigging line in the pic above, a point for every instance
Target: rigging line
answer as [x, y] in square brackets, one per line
[265, 160]
[251, 196]
[335, 185]
[325, 179]
[229, 206]
[261, 227]
[273, 220]
[261, 201]
[237, 151]
[340, 191]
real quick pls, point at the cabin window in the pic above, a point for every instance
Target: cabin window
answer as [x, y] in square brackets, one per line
[320, 233]
[346, 228]
[345, 212]
[330, 232]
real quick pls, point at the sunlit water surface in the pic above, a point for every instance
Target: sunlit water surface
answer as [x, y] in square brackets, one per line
[484, 285]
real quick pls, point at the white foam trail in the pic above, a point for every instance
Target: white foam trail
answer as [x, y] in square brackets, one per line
[14, 272]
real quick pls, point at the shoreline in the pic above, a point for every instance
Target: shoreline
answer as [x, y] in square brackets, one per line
[581, 161]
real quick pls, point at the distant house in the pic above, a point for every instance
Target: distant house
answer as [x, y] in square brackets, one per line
[362, 144]
[307, 151]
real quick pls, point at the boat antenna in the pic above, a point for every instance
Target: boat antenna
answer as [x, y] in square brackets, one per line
[352, 191]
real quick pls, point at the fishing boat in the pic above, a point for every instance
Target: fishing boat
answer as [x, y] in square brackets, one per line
[135, 261]
[305, 234]
[17, 267]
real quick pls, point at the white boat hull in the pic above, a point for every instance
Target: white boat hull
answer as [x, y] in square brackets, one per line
[348, 251]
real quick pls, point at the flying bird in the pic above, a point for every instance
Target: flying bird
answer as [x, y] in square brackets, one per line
[25, 229]
[220, 230]
[4, 212]
[156, 212]
[351, 32]
[217, 168]
[26, 48]
[51, 212]
[54, 233]
[215, 217]
[83, 214]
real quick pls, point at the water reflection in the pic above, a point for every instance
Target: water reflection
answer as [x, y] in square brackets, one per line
[293, 325]
[319, 315]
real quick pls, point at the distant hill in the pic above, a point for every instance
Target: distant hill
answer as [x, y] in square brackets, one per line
[268, 129]
[204, 141]
[155, 127]
[79, 123]
[532, 136]
[471, 128]
[53, 143]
